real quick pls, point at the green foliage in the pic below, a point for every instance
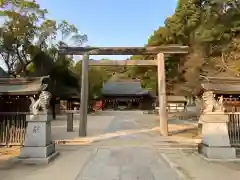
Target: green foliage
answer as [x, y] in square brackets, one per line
[27, 42]
[30, 67]
[211, 29]
[96, 79]
[26, 31]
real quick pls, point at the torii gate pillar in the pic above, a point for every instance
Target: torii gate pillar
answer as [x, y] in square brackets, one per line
[163, 117]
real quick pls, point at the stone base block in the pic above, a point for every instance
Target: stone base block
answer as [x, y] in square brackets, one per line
[215, 134]
[38, 161]
[38, 133]
[223, 153]
[37, 152]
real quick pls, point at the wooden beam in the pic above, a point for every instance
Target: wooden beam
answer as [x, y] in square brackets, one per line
[170, 49]
[123, 63]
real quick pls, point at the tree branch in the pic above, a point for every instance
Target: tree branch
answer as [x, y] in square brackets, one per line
[226, 66]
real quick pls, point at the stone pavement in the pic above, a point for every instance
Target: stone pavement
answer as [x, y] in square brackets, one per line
[194, 167]
[127, 163]
[96, 126]
[131, 149]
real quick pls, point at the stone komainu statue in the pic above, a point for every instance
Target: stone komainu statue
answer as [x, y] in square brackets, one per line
[208, 101]
[41, 104]
[211, 104]
[219, 107]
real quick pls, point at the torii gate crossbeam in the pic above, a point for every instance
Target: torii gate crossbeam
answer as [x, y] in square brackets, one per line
[160, 51]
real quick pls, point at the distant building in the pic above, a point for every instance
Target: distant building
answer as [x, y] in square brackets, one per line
[176, 103]
[126, 94]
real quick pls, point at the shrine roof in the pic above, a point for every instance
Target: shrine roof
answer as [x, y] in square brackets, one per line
[176, 99]
[221, 85]
[22, 86]
[124, 87]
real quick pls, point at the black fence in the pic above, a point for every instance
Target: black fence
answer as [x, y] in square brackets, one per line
[234, 129]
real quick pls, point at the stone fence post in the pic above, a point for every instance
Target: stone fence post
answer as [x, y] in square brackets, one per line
[69, 121]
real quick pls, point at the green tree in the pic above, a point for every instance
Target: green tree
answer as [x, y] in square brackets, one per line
[211, 29]
[96, 76]
[26, 32]
[18, 31]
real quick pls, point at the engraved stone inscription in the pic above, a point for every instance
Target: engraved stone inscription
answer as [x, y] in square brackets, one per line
[36, 129]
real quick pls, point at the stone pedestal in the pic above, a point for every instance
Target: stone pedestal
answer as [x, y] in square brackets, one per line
[215, 138]
[38, 146]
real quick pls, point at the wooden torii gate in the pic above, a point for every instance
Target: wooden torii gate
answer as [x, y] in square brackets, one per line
[160, 51]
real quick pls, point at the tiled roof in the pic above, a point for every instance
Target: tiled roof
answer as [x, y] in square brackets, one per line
[221, 85]
[22, 86]
[123, 87]
[176, 99]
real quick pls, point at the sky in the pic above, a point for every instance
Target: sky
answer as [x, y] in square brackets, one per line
[112, 23]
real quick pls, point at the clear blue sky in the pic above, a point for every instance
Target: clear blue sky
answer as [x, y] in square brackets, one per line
[112, 23]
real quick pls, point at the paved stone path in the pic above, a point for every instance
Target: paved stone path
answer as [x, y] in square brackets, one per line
[124, 157]
[134, 163]
[133, 151]
[127, 157]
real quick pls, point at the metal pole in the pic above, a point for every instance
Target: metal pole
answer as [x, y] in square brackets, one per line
[162, 95]
[84, 97]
